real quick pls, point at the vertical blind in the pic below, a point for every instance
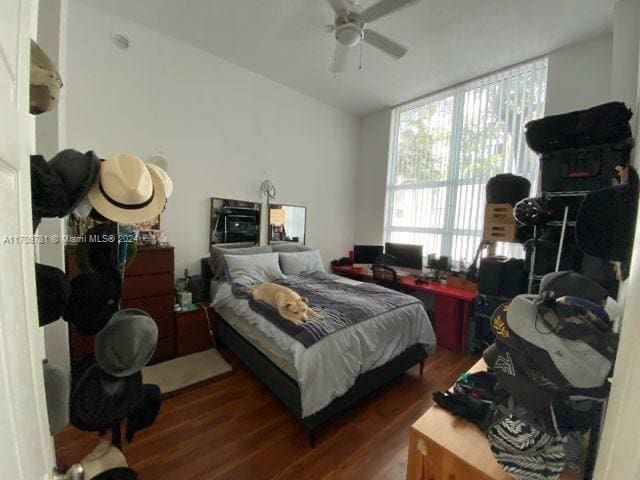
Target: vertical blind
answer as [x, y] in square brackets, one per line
[448, 145]
[294, 221]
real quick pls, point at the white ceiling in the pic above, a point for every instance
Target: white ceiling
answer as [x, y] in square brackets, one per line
[450, 40]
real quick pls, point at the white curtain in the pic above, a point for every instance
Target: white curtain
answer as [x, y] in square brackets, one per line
[447, 146]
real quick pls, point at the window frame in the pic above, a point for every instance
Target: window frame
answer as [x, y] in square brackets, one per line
[453, 182]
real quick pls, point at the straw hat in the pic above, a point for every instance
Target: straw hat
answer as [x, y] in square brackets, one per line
[45, 82]
[127, 191]
[166, 180]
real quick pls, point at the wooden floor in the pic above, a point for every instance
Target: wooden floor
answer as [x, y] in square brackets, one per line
[234, 429]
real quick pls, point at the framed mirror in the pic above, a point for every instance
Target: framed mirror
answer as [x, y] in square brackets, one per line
[287, 223]
[234, 221]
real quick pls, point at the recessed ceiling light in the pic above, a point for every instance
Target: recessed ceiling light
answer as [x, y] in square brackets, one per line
[121, 41]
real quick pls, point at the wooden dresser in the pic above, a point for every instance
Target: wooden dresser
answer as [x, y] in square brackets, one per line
[444, 447]
[148, 285]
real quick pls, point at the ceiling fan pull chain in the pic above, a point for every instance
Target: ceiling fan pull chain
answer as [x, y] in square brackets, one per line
[360, 66]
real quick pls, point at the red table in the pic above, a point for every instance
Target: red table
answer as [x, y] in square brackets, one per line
[452, 305]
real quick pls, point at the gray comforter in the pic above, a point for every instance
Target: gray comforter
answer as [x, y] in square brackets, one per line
[329, 367]
[342, 305]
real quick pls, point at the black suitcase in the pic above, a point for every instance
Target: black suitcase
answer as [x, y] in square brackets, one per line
[583, 169]
[607, 123]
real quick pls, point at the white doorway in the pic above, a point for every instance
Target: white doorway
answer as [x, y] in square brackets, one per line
[26, 448]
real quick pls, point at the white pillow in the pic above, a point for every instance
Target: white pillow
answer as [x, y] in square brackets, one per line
[301, 262]
[250, 269]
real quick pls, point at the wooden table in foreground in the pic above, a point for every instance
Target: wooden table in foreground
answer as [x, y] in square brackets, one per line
[444, 447]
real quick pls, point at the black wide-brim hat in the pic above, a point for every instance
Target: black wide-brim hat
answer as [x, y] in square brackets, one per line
[100, 401]
[120, 473]
[573, 284]
[146, 411]
[53, 290]
[95, 297]
[78, 172]
[48, 194]
[98, 250]
[102, 246]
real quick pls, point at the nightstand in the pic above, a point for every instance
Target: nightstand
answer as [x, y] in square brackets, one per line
[193, 331]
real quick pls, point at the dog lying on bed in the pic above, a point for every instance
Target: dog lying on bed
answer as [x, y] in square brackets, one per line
[289, 304]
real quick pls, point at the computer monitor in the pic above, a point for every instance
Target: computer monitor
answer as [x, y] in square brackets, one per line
[407, 256]
[366, 254]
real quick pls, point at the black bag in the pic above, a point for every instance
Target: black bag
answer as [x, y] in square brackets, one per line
[507, 188]
[607, 123]
[501, 276]
[583, 169]
[198, 288]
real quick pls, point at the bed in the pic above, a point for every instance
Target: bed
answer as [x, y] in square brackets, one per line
[317, 381]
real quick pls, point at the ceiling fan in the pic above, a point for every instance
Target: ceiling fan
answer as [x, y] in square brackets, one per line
[350, 28]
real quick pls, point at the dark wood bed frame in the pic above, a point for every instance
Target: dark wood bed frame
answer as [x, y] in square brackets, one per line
[287, 390]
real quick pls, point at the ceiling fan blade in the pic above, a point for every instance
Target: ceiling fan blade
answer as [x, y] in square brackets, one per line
[340, 58]
[338, 7]
[384, 8]
[385, 44]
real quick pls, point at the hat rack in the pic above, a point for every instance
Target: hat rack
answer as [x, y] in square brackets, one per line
[106, 255]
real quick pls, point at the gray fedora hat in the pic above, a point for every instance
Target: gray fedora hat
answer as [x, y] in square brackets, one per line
[127, 343]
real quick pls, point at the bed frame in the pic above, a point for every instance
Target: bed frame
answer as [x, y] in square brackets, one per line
[287, 390]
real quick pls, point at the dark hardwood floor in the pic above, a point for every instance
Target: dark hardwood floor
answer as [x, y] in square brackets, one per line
[234, 429]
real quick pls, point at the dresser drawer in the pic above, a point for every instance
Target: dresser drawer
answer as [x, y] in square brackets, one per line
[195, 322]
[193, 343]
[166, 326]
[155, 306]
[147, 285]
[151, 260]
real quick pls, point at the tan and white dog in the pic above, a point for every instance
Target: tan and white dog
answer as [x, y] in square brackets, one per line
[288, 303]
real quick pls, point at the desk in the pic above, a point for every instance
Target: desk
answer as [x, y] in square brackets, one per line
[444, 447]
[452, 305]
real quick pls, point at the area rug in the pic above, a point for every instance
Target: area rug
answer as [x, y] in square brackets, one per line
[184, 372]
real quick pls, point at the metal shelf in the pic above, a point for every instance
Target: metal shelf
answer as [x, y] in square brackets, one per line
[581, 193]
[559, 224]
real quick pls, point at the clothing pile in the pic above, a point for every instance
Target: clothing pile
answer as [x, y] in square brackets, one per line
[547, 378]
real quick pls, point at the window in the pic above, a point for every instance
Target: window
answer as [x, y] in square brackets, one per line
[448, 145]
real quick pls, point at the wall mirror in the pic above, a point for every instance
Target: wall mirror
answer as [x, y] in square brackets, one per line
[234, 221]
[287, 223]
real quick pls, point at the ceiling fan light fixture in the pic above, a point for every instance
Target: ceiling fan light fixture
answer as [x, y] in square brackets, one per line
[349, 34]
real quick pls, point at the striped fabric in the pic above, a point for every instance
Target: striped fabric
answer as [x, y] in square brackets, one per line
[525, 452]
[445, 149]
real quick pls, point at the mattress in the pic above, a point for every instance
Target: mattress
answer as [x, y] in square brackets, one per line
[283, 360]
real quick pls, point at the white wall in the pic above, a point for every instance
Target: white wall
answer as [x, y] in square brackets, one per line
[222, 128]
[579, 76]
[618, 455]
[626, 41]
[375, 135]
